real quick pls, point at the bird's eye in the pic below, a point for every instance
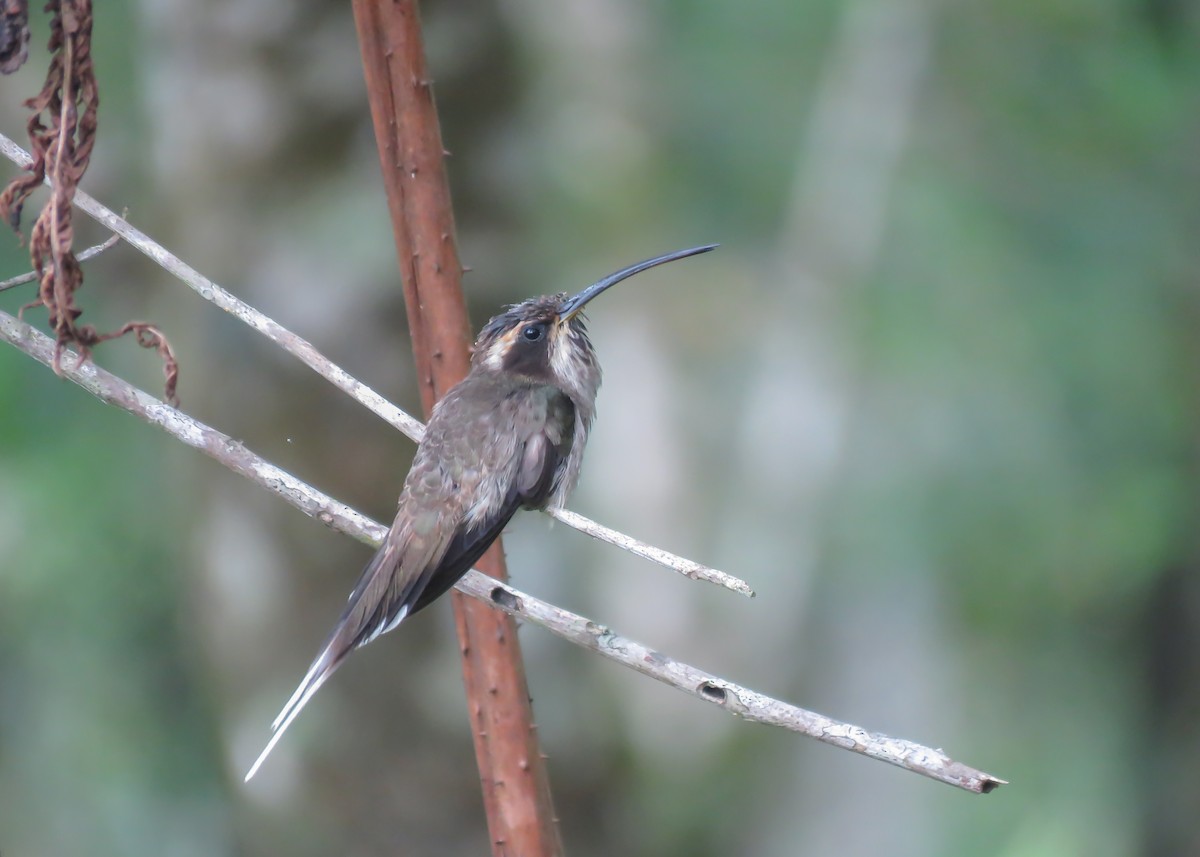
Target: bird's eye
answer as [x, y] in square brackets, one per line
[533, 332]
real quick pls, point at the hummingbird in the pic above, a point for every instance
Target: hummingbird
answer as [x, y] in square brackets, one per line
[510, 435]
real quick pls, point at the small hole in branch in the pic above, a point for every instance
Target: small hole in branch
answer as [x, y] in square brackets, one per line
[712, 692]
[506, 599]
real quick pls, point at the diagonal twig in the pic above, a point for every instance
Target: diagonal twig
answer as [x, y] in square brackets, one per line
[686, 567]
[83, 256]
[734, 698]
[305, 351]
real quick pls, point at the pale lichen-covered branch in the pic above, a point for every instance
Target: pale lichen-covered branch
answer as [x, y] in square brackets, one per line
[584, 632]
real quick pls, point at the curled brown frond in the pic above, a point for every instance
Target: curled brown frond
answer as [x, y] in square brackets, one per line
[62, 132]
[14, 34]
[149, 336]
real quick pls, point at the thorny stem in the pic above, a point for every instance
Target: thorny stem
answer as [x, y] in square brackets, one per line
[514, 778]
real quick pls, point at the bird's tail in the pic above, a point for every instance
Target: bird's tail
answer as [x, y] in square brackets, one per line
[370, 611]
[322, 668]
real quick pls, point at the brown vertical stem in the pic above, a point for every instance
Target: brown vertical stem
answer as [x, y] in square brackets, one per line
[512, 771]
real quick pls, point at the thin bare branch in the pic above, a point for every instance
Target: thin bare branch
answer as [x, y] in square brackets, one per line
[577, 629]
[231, 453]
[734, 698]
[343, 380]
[210, 291]
[32, 276]
[686, 567]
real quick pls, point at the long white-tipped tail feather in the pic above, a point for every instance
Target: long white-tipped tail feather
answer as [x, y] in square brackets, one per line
[317, 666]
[370, 605]
[322, 668]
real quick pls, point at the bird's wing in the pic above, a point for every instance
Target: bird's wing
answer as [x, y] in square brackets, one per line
[425, 521]
[437, 536]
[465, 549]
[540, 461]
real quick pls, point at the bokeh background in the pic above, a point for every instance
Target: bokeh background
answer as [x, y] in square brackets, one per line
[937, 397]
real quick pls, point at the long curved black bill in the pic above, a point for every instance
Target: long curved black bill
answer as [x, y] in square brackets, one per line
[573, 305]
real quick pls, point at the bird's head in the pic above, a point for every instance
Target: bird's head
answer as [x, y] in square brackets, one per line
[545, 339]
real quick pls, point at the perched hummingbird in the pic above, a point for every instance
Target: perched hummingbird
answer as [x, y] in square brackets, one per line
[509, 435]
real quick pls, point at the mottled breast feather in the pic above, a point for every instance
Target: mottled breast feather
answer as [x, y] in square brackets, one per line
[570, 365]
[577, 373]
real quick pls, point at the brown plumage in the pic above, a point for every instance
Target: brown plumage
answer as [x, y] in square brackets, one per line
[509, 435]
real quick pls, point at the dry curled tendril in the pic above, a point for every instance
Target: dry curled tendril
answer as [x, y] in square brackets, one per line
[14, 34]
[62, 132]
